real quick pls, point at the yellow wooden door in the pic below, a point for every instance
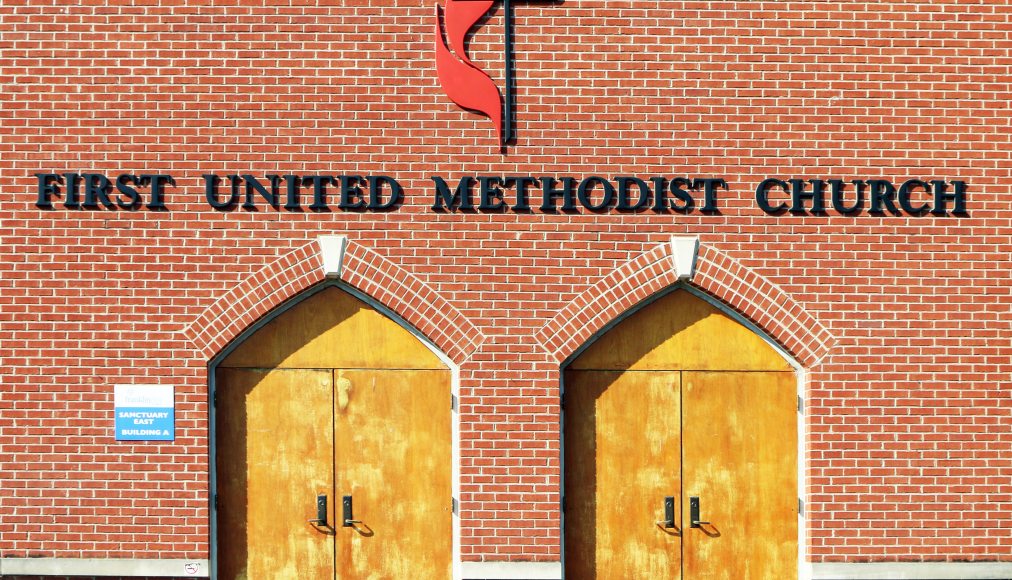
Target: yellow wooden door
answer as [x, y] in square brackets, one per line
[682, 398]
[392, 437]
[333, 398]
[274, 456]
[622, 461]
[739, 458]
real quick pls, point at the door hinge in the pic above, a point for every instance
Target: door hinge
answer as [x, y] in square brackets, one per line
[453, 402]
[801, 405]
[563, 503]
[214, 398]
[453, 505]
[562, 400]
[801, 507]
[215, 502]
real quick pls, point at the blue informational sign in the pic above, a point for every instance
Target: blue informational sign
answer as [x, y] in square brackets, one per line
[145, 412]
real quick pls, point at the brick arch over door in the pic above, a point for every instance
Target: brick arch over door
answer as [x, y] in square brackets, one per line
[363, 269]
[757, 299]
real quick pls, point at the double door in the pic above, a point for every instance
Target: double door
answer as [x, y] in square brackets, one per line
[333, 473]
[680, 474]
[333, 448]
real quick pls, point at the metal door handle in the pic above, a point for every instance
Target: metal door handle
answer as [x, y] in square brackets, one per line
[321, 511]
[348, 521]
[669, 513]
[694, 520]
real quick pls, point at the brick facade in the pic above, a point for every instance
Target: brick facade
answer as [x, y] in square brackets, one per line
[903, 323]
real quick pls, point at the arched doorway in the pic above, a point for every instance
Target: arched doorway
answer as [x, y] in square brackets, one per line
[332, 448]
[680, 450]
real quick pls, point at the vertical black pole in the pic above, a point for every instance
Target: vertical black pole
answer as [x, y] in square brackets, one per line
[507, 115]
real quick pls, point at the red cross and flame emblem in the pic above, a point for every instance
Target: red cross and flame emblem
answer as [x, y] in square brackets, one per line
[462, 80]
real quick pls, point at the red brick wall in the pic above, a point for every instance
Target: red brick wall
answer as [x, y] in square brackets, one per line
[908, 406]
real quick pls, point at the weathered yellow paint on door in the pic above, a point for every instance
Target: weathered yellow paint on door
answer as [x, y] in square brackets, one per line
[275, 433]
[740, 458]
[392, 451]
[617, 476]
[333, 329]
[680, 397]
[680, 331]
[332, 397]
